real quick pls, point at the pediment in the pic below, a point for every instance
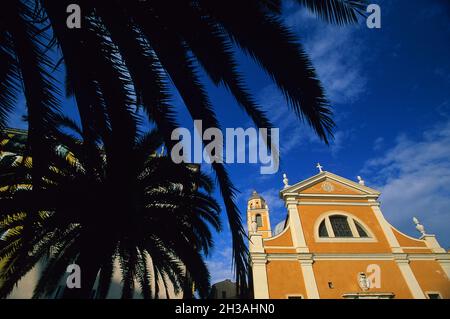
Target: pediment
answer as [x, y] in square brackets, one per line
[327, 183]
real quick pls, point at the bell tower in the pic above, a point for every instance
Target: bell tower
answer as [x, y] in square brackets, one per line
[258, 212]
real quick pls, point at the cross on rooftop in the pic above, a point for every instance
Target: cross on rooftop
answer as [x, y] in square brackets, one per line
[319, 167]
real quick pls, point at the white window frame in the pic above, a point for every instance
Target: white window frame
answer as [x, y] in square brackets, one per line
[351, 222]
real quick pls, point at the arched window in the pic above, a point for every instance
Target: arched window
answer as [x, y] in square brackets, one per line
[258, 220]
[323, 229]
[341, 226]
[362, 233]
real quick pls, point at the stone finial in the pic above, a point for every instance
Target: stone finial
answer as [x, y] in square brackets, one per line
[320, 167]
[419, 226]
[285, 181]
[360, 180]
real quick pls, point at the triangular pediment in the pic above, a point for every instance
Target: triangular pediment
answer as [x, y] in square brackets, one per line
[327, 183]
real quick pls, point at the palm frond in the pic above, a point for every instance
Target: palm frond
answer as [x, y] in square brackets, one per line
[336, 11]
[303, 91]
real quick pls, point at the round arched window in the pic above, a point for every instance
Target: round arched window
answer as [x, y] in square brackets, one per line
[341, 226]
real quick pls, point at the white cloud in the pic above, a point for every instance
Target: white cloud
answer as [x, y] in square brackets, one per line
[414, 178]
[220, 266]
[277, 211]
[269, 195]
[293, 133]
[275, 203]
[336, 55]
[341, 138]
[443, 109]
[378, 143]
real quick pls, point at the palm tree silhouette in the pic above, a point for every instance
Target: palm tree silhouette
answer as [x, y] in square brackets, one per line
[158, 229]
[128, 52]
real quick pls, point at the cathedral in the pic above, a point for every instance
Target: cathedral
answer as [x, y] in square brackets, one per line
[335, 243]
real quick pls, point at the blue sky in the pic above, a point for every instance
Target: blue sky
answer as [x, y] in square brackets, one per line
[390, 90]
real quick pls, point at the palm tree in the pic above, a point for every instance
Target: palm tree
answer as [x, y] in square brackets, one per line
[160, 234]
[128, 52]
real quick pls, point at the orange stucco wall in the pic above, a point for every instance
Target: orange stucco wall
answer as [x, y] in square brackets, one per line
[405, 241]
[285, 278]
[344, 276]
[337, 189]
[431, 277]
[284, 239]
[310, 214]
[336, 200]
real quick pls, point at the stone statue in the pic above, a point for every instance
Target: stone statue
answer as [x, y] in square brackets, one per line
[254, 225]
[363, 281]
[285, 181]
[360, 180]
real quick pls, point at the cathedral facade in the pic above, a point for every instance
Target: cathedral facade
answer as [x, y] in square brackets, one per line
[335, 243]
